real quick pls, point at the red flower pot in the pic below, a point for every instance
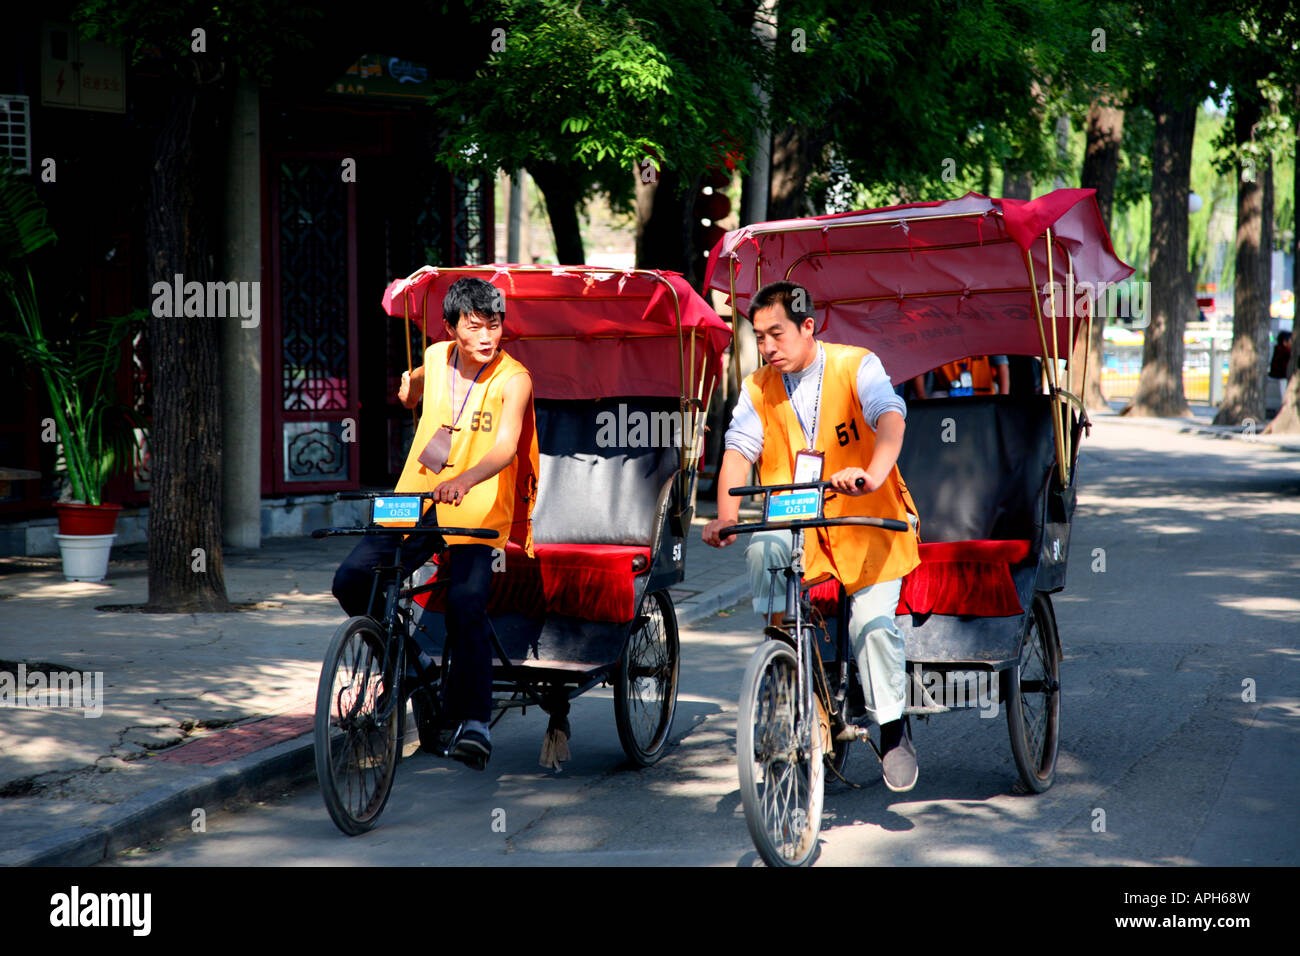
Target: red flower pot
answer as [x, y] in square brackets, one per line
[86, 519]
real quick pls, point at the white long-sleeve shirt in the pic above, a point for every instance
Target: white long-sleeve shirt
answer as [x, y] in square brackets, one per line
[745, 434]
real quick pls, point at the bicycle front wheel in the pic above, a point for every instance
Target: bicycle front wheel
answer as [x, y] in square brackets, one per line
[356, 728]
[779, 756]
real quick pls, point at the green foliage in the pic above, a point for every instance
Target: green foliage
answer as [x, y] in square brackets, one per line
[601, 87]
[926, 99]
[247, 36]
[78, 372]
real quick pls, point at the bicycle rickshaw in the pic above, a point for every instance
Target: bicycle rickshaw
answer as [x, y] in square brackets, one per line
[623, 364]
[993, 478]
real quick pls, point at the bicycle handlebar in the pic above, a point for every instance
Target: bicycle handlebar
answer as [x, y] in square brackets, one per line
[801, 486]
[889, 524]
[430, 529]
[384, 529]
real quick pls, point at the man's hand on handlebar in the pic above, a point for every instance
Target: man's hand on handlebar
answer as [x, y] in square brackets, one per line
[854, 482]
[711, 533]
[452, 491]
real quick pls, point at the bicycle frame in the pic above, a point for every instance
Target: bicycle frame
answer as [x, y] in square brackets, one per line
[395, 622]
[805, 658]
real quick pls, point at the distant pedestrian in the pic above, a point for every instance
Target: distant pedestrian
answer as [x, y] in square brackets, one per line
[1277, 369]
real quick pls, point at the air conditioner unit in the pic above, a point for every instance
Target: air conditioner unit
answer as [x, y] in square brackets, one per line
[16, 131]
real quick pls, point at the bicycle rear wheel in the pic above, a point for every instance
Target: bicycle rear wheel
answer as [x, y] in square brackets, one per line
[356, 742]
[782, 779]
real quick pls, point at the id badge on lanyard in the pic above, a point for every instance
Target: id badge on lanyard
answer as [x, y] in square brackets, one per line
[808, 466]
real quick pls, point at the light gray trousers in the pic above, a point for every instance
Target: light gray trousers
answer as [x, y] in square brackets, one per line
[873, 636]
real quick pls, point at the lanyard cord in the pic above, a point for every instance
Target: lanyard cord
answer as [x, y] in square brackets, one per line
[811, 438]
[455, 362]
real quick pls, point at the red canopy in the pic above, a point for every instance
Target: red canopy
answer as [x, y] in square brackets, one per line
[929, 283]
[585, 332]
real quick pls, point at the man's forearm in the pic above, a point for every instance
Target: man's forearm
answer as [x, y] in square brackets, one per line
[732, 473]
[889, 442]
[491, 463]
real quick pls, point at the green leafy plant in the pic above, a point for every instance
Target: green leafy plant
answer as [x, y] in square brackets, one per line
[96, 431]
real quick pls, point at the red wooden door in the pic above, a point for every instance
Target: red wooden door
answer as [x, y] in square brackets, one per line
[310, 343]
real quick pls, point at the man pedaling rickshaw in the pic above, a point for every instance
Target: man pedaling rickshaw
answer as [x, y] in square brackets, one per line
[821, 411]
[478, 402]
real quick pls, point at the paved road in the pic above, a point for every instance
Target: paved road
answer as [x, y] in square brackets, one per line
[1200, 592]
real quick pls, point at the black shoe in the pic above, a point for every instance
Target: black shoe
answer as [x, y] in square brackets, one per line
[472, 749]
[898, 756]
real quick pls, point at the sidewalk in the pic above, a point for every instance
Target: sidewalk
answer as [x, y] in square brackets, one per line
[197, 709]
[1200, 422]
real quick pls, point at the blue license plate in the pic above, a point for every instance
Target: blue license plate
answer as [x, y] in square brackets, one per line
[395, 511]
[795, 506]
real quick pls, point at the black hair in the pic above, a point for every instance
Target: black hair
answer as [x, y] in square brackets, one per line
[471, 296]
[794, 298]
[1283, 336]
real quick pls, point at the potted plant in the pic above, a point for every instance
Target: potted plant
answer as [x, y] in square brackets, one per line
[95, 431]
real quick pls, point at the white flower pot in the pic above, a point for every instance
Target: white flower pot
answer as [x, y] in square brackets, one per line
[85, 556]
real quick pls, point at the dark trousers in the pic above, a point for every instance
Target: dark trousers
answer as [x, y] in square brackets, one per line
[468, 570]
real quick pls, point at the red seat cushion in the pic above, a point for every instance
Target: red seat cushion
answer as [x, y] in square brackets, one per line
[591, 581]
[954, 577]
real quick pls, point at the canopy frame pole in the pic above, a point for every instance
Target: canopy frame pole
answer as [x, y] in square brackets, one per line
[424, 325]
[1083, 388]
[893, 221]
[683, 400]
[406, 334]
[697, 449]
[1063, 409]
[733, 367]
[1049, 374]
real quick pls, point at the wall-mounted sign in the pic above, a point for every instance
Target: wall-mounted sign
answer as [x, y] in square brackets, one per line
[386, 77]
[81, 74]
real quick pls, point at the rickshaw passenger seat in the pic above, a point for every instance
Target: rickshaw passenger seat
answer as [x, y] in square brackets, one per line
[977, 467]
[603, 465]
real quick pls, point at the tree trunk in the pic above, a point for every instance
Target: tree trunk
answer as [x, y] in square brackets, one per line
[185, 557]
[1173, 291]
[1243, 399]
[794, 150]
[563, 196]
[1100, 171]
[664, 227]
[1288, 418]
[1016, 183]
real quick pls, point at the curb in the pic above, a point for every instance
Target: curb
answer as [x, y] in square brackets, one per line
[166, 807]
[710, 602]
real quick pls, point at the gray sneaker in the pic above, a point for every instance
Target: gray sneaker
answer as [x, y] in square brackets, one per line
[899, 756]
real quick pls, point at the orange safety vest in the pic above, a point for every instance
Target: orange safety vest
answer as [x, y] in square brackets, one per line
[981, 371]
[857, 556]
[503, 502]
